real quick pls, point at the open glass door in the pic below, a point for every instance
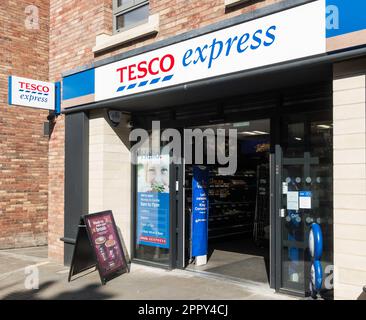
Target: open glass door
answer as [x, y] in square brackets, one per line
[154, 207]
[305, 200]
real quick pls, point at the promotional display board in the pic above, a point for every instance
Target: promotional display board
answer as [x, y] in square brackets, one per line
[200, 211]
[32, 93]
[103, 250]
[153, 206]
[287, 35]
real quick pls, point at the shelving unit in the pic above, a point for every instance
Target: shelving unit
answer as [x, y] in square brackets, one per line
[231, 202]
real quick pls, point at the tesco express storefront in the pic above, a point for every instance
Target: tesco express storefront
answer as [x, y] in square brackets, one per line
[267, 73]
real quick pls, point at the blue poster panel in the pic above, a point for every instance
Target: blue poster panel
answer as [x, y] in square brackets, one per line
[200, 211]
[153, 201]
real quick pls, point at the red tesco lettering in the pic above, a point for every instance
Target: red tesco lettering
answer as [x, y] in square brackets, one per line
[144, 68]
[33, 87]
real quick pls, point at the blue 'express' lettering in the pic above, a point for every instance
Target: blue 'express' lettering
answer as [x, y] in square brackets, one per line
[209, 53]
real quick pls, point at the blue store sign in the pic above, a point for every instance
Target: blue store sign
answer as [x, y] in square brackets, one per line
[200, 211]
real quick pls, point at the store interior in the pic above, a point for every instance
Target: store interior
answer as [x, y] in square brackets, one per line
[238, 220]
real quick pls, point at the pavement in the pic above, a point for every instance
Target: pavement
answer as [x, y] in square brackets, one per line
[20, 270]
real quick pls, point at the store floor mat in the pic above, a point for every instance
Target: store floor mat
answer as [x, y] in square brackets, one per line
[236, 265]
[252, 269]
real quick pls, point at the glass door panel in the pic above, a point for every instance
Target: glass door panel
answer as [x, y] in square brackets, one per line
[153, 206]
[306, 197]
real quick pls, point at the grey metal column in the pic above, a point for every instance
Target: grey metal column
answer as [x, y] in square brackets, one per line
[277, 218]
[76, 177]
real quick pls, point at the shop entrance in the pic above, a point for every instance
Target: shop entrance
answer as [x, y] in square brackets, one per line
[238, 227]
[260, 218]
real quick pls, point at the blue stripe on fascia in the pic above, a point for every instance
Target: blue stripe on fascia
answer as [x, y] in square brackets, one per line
[143, 83]
[121, 88]
[131, 86]
[167, 78]
[351, 16]
[78, 85]
[9, 90]
[156, 80]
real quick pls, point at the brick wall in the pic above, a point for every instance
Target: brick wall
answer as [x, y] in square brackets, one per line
[23, 147]
[73, 29]
[179, 16]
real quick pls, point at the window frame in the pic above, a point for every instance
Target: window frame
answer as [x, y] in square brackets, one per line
[123, 9]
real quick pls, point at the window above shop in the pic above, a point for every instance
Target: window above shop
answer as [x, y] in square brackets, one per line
[129, 13]
[131, 21]
[232, 3]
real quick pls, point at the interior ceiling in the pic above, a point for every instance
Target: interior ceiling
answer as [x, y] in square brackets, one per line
[245, 129]
[215, 90]
[243, 126]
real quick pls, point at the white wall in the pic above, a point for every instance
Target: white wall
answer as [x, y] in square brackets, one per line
[349, 107]
[110, 172]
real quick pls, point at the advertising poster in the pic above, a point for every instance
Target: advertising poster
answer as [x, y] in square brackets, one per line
[200, 211]
[153, 201]
[305, 199]
[106, 243]
[255, 146]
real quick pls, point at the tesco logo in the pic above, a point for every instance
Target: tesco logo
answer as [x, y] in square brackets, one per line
[34, 87]
[154, 67]
[210, 54]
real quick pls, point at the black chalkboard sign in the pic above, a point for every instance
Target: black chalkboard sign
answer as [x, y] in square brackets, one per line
[98, 245]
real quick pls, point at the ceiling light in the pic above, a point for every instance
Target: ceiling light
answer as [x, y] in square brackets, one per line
[248, 133]
[241, 124]
[324, 126]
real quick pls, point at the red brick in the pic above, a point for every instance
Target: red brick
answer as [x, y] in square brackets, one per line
[23, 147]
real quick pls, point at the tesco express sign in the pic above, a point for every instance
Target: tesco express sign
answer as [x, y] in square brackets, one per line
[287, 35]
[31, 93]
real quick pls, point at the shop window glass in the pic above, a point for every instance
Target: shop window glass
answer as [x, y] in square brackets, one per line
[307, 175]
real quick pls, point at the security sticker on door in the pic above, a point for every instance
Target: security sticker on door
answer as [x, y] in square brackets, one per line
[305, 199]
[292, 200]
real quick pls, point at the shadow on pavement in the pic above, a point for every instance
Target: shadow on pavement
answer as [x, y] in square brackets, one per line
[89, 292]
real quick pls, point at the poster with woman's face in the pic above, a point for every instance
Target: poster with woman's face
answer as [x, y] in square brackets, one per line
[153, 174]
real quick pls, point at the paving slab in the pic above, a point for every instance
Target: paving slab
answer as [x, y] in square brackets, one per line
[141, 283]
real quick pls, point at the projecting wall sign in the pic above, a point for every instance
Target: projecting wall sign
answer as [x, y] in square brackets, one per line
[32, 93]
